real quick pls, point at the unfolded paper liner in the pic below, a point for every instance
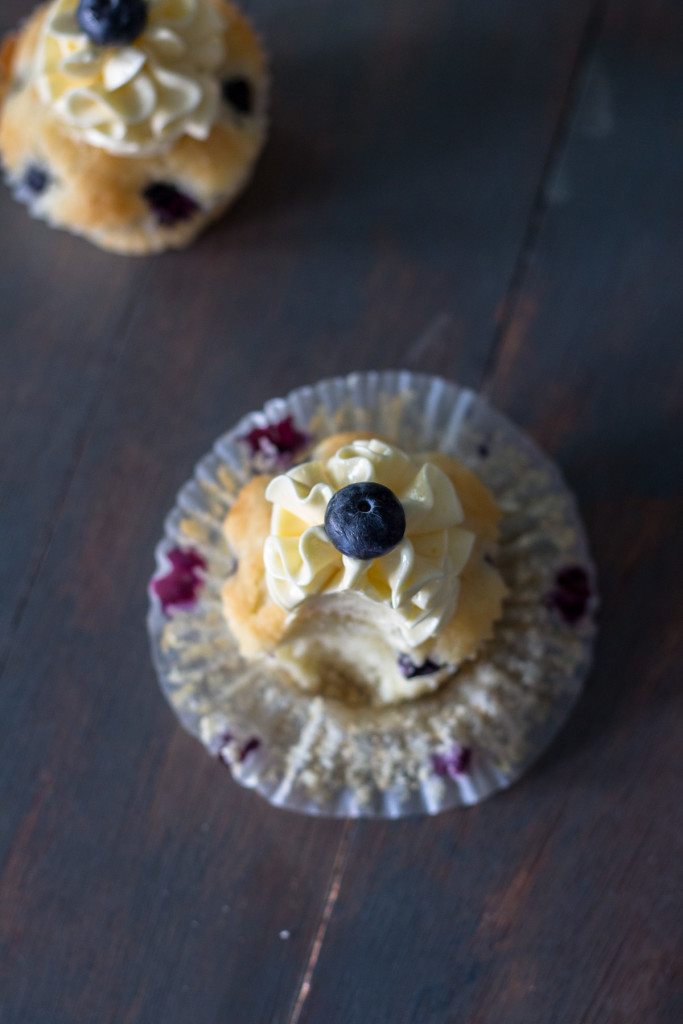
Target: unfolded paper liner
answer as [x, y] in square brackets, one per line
[315, 755]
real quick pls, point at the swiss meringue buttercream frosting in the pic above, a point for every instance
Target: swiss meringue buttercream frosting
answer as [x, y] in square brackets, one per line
[376, 630]
[135, 98]
[416, 584]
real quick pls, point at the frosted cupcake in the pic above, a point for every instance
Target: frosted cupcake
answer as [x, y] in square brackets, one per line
[374, 598]
[365, 572]
[132, 122]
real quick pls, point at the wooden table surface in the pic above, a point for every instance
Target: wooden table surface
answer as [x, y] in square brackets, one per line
[492, 191]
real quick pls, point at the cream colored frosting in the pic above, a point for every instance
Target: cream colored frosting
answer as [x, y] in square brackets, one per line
[136, 98]
[417, 582]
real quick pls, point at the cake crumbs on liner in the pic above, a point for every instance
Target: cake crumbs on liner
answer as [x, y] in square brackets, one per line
[317, 754]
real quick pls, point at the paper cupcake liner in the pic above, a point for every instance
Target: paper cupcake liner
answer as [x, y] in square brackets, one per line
[484, 727]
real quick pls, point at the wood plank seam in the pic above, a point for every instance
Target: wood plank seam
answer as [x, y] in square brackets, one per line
[331, 897]
[586, 48]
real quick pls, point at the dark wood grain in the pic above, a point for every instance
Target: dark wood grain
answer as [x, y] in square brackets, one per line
[487, 191]
[561, 900]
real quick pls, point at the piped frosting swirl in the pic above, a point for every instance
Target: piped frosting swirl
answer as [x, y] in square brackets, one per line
[417, 581]
[137, 98]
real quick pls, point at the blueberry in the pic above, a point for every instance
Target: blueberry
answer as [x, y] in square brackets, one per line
[365, 520]
[169, 204]
[32, 184]
[409, 669]
[239, 94]
[36, 180]
[112, 22]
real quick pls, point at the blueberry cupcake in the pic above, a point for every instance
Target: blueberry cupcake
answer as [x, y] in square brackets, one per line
[366, 573]
[375, 598]
[132, 122]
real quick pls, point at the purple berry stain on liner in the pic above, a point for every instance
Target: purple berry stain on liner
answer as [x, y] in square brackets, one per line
[247, 748]
[454, 763]
[226, 738]
[571, 593]
[277, 443]
[178, 588]
[168, 204]
[409, 669]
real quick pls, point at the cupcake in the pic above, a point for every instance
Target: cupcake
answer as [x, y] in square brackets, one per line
[374, 598]
[366, 573]
[132, 122]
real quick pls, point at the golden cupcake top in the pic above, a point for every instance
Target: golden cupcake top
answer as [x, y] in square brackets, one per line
[370, 521]
[366, 572]
[132, 76]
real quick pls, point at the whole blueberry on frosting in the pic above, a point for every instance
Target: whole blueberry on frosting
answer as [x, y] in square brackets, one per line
[112, 22]
[365, 520]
